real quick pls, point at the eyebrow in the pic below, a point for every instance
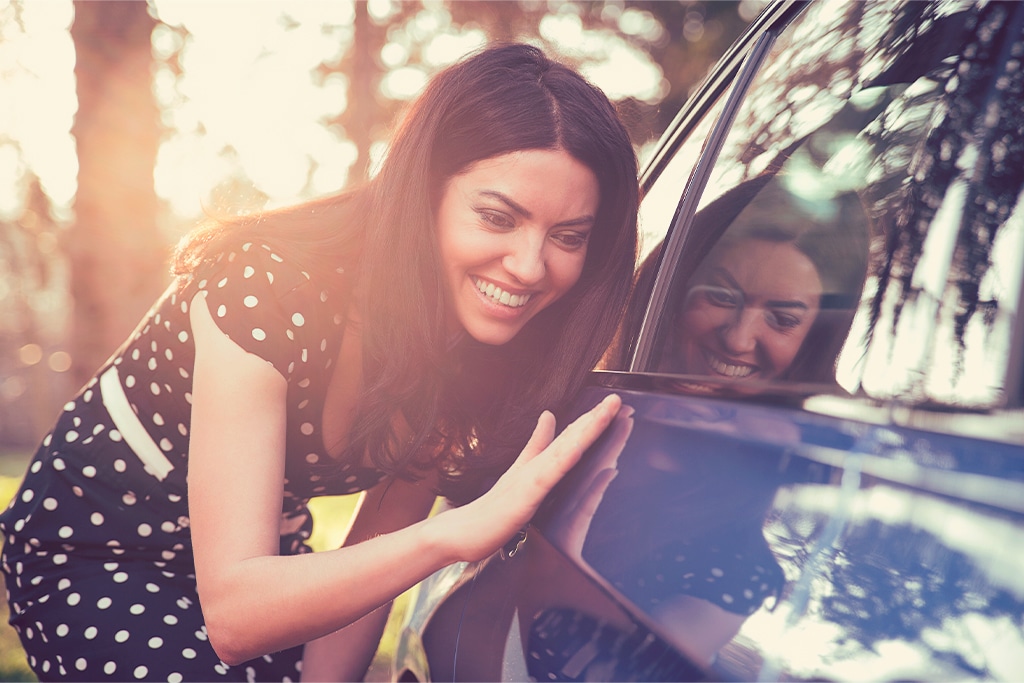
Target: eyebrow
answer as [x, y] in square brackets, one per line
[525, 213]
[727, 276]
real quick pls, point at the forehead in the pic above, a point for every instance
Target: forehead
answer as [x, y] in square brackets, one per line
[771, 270]
[538, 175]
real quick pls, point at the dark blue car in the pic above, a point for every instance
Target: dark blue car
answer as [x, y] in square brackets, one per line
[820, 475]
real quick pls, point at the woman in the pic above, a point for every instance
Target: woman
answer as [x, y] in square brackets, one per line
[399, 339]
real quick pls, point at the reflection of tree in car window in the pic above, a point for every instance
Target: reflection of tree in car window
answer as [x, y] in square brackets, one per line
[776, 295]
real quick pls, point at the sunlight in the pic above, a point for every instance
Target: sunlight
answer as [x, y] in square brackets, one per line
[36, 74]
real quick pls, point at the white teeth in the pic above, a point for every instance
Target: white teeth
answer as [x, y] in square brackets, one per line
[736, 371]
[498, 295]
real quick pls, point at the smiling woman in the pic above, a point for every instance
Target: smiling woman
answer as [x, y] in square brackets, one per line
[405, 339]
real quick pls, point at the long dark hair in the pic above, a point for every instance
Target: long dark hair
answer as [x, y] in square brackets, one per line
[470, 408]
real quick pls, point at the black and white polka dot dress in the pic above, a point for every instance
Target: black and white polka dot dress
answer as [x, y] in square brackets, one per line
[98, 556]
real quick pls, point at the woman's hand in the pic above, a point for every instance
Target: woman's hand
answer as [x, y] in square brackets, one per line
[477, 529]
[568, 530]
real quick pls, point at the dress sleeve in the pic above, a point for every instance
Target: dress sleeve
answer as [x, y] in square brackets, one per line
[265, 304]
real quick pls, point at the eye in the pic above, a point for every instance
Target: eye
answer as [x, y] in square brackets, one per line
[721, 296]
[780, 320]
[496, 219]
[571, 240]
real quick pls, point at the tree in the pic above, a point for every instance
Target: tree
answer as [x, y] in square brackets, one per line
[117, 257]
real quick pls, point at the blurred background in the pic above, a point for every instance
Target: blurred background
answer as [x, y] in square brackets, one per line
[124, 122]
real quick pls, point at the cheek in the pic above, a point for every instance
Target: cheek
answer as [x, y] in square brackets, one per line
[700, 319]
[784, 347]
[565, 271]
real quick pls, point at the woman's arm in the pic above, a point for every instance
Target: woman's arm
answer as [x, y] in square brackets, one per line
[256, 602]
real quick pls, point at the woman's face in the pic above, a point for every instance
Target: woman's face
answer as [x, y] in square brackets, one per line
[513, 234]
[748, 310]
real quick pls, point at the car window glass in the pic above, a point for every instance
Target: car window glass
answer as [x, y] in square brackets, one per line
[860, 231]
[660, 200]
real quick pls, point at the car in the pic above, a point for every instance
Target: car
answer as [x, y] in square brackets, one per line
[819, 469]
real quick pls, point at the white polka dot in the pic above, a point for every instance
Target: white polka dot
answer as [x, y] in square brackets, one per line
[312, 458]
[109, 668]
[170, 619]
[74, 599]
[120, 577]
[81, 663]
[59, 559]
[166, 445]
[201, 634]
[137, 609]
[89, 471]
[298, 320]
[168, 354]
[152, 588]
[145, 530]
[129, 381]
[140, 672]
[135, 354]
[175, 678]
[65, 532]
[62, 630]
[222, 310]
[306, 428]
[120, 465]
[71, 436]
[114, 435]
[128, 498]
[258, 334]
[250, 301]
[155, 642]
[248, 272]
[154, 388]
[183, 336]
[715, 571]
[270, 277]
[151, 364]
[96, 518]
[98, 428]
[70, 405]
[104, 603]
[58, 464]
[222, 282]
[91, 632]
[122, 635]
[188, 653]
[27, 495]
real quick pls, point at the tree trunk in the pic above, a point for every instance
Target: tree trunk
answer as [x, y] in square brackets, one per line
[117, 257]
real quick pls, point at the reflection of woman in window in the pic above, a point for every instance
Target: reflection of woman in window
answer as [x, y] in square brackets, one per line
[775, 297]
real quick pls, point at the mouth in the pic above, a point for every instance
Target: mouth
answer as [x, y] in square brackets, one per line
[726, 369]
[499, 296]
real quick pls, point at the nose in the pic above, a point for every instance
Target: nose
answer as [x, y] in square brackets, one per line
[740, 334]
[525, 258]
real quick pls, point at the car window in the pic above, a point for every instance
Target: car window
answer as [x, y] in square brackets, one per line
[861, 231]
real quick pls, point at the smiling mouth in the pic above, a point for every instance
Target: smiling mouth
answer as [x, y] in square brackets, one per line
[720, 367]
[499, 296]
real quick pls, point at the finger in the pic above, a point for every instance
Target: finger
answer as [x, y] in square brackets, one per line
[543, 434]
[584, 430]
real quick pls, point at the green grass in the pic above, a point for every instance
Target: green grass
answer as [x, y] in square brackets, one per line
[331, 515]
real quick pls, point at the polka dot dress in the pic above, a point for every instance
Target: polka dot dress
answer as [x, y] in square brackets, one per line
[98, 555]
